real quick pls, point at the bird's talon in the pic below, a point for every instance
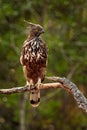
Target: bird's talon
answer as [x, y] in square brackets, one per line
[32, 87]
[38, 85]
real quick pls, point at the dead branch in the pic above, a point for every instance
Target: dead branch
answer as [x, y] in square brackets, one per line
[72, 89]
[59, 83]
[26, 88]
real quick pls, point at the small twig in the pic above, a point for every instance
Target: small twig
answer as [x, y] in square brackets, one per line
[72, 71]
[50, 95]
[60, 83]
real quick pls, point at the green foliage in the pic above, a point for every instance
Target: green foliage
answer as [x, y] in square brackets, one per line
[65, 24]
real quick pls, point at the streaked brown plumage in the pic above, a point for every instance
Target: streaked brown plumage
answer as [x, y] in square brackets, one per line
[34, 59]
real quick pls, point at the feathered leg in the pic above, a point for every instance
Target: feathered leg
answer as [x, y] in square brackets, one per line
[35, 93]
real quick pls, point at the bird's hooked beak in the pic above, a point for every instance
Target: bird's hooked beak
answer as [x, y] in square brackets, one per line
[42, 31]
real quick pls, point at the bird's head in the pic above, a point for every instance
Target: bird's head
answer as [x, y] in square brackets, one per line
[35, 29]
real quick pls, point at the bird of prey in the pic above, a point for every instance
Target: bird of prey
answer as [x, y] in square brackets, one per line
[34, 61]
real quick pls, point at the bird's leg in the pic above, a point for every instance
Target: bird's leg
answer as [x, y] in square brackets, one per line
[38, 83]
[27, 84]
[30, 84]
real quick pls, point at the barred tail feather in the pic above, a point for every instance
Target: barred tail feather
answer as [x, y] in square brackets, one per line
[35, 97]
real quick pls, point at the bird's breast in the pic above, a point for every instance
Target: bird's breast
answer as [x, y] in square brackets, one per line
[34, 51]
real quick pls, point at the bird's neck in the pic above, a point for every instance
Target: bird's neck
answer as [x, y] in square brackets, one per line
[30, 37]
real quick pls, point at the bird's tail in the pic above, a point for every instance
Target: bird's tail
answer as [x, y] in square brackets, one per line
[35, 97]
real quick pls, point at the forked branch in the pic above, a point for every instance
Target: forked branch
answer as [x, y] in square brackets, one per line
[59, 83]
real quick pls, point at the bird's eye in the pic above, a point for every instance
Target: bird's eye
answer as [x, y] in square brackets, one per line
[36, 30]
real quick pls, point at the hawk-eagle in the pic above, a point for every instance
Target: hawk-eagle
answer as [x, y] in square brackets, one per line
[34, 59]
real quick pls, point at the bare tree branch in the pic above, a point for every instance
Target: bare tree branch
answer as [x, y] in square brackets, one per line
[59, 83]
[72, 88]
[14, 90]
[26, 88]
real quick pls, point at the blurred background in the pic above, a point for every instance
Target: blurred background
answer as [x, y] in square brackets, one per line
[65, 24]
